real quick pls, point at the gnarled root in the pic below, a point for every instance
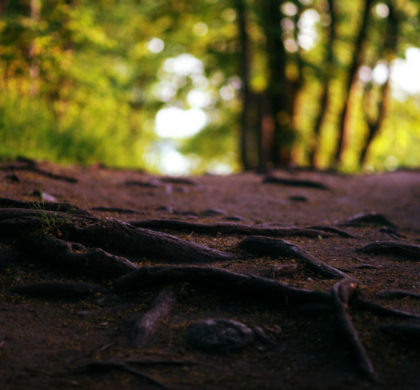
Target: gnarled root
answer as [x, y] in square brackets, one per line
[276, 247]
[147, 324]
[219, 279]
[342, 292]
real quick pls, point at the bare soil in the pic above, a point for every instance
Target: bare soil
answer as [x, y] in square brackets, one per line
[51, 342]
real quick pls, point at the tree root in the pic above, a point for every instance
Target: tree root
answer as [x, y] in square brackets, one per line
[332, 229]
[116, 210]
[365, 304]
[122, 366]
[367, 219]
[177, 180]
[391, 294]
[138, 242]
[163, 362]
[411, 251]
[50, 206]
[76, 257]
[220, 279]
[227, 228]
[294, 182]
[146, 325]
[276, 247]
[110, 234]
[36, 169]
[59, 290]
[342, 292]
[145, 184]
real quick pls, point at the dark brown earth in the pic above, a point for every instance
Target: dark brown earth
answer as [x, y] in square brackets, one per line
[51, 341]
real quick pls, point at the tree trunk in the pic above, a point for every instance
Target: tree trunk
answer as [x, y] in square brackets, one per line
[344, 118]
[389, 49]
[277, 84]
[326, 80]
[245, 90]
[35, 13]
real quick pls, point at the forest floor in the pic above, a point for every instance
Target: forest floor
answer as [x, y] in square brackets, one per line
[52, 337]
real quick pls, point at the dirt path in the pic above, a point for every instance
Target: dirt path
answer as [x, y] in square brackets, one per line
[308, 262]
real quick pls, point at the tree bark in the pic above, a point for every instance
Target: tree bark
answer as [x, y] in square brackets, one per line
[245, 90]
[326, 90]
[344, 118]
[389, 49]
[277, 84]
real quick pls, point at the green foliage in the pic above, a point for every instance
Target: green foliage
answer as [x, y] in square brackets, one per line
[80, 83]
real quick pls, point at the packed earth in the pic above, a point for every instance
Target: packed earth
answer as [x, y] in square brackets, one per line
[294, 279]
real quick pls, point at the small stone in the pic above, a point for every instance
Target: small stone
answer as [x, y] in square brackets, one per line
[284, 270]
[219, 335]
[44, 196]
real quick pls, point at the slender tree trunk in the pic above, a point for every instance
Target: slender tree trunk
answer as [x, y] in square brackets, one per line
[266, 134]
[344, 118]
[374, 125]
[296, 86]
[35, 13]
[326, 80]
[389, 49]
[277, 84]
[3, 7]
[245, 90]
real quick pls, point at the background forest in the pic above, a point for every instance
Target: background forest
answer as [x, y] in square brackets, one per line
[192, 86]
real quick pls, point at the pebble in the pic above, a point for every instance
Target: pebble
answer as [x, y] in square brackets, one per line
[219, 335]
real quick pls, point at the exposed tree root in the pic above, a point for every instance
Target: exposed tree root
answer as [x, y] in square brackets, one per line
[36, 169]
[145, 184]
[116, 210]
[51, 206]
[408, 332]
[410, 251]
[332, 229]
[177, 180]
[391, 294]
[138, 242]
[59, 290]
[367, 219]
[76, 257]
[115, 365]
[227, 228]
[342, 292]
[147, 324]
[220, 279]
[276, 247]
[163, 362]
[294, 182]
[381, 310]
[110, 234]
